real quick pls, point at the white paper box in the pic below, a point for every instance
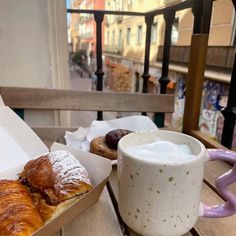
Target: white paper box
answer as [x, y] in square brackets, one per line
[1, 101]
[20, 144]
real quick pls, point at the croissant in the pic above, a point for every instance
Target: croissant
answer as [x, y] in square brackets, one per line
[55, 181]
[18, 215]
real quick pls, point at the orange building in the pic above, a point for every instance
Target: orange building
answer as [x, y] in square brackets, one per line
[87, 25]
[74, 27]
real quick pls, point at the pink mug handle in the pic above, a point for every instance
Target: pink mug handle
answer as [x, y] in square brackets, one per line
[229, 208]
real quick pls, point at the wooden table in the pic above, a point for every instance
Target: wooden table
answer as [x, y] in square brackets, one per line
[102, 218]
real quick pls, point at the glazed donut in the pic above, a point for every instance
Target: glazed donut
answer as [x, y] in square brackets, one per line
[112, 138]
[106, 146]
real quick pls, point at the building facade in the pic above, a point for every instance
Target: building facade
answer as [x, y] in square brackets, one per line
[125, 35]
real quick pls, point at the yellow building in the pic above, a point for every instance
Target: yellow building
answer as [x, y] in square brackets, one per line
[125, 35]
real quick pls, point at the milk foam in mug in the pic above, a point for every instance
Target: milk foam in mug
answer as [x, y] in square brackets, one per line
[161, 151]
[160, 176]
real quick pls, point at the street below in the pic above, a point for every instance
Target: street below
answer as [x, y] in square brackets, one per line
[84, 118]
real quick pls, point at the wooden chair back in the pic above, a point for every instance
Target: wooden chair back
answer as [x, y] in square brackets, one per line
[72, 100]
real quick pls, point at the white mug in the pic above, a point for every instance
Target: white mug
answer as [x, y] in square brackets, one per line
[157, 198]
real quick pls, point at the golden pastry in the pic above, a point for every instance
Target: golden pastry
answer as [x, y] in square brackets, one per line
[18, 215]
[55, 180]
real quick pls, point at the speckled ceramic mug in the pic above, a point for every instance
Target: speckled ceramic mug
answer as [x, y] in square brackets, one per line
[164, 199]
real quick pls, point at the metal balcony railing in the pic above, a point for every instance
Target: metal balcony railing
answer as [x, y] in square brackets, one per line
[218, 57]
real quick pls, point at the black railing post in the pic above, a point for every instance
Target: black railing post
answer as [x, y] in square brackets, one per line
[164, 80]
[98, 16]
[197, 9]
[229, 112]
[169, 17]
[149, 21]
[202, 10]
[206, 16]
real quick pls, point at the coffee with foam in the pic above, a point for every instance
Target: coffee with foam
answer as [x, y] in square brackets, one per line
[161, 151]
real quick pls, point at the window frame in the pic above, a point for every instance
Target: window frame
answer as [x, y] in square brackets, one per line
[154, 26]
[113, 37]
[119, 39]
[139, 35]
[128, 35]
[174, 40]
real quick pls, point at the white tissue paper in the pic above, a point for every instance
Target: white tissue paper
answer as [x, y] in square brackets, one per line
[82, 136]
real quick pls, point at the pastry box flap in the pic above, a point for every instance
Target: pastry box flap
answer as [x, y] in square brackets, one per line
[1, 102]
[98, 167]
[18, 143]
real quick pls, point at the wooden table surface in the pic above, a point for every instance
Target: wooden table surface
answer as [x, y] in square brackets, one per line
[102, 218]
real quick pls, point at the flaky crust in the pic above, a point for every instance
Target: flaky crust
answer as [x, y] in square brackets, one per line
[48, 211]
[98, 146]
[18, 215]
[55, 178]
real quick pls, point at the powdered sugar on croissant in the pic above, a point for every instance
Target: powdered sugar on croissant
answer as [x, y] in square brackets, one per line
[57, 176]
[68, 168]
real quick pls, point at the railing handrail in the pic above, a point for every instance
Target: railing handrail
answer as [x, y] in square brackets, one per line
[106, 12]
[159, 11]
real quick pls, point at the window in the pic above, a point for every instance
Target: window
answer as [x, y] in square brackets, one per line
[108, 16]
[113, 37]
[139, 34]
[130, 2]
[113, 8]
[175, 32]
[108, 37]
[120, 39]
[120, 5]
[114, 5]
[154, 33]
[128, 36]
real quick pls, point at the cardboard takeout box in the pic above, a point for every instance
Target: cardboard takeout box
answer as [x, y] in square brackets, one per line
[19, 144]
